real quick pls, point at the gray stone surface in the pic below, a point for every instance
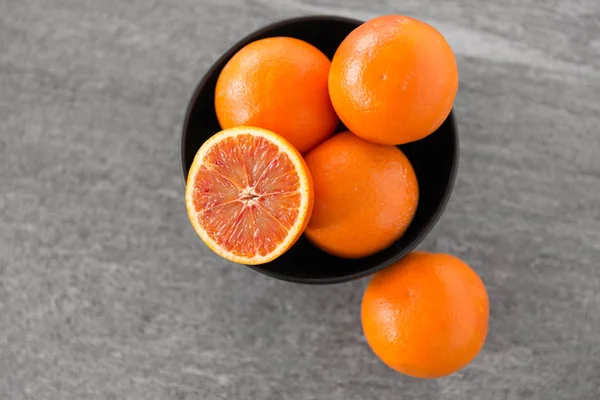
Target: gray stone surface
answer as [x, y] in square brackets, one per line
[107, 293]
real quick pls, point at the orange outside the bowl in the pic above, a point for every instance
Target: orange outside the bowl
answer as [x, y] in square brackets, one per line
[427, 315]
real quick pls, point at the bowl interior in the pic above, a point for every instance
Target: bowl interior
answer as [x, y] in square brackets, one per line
[434, 159]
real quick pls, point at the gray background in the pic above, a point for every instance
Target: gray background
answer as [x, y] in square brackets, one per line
[107, 293]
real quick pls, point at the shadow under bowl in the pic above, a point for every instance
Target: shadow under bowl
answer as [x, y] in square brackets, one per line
[434, 159]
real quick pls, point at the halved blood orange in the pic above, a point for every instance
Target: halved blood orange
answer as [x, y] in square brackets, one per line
[249, 194]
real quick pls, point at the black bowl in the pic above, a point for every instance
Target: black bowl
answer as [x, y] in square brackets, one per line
[435, 160]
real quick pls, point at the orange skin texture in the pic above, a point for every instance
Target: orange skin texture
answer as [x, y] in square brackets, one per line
[427, 315]
[393, 80]
[366, 196]
[279, 84]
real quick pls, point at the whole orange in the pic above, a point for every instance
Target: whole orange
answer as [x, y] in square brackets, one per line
[393, 80]
[427, 315]
[279, 84]
[366, 195]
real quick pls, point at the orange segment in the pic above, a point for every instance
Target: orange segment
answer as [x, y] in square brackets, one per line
[249, 194]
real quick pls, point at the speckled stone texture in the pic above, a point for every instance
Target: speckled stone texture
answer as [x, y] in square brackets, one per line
[107, 293]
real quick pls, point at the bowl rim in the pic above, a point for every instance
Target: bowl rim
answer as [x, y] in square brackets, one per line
[234, 48]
